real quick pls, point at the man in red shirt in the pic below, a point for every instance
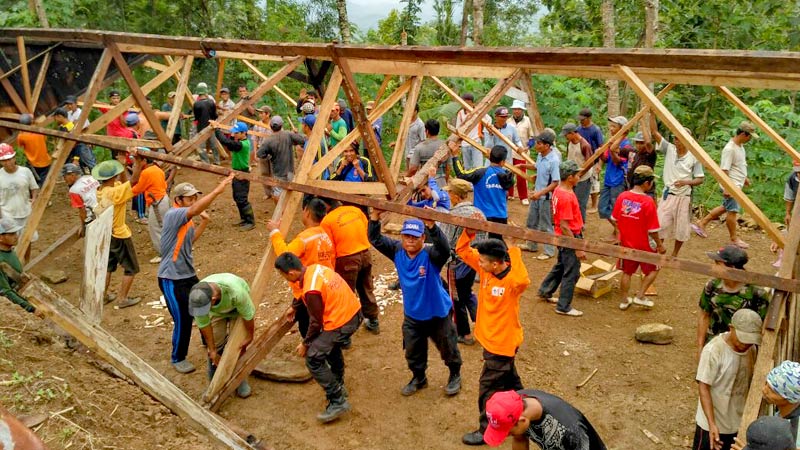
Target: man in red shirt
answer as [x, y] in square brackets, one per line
[636, 217]
[568, 222]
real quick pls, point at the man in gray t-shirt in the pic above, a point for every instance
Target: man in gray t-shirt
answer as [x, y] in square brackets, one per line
[176, 274]
[425, 151]
[279, 149]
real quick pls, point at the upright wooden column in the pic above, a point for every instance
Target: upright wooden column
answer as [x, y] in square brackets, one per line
[177, 105]
[405, 124]
[95, 265]
[533, 105]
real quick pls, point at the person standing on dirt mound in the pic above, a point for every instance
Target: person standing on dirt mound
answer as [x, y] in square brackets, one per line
[498, 329]
[427, 308]
[334, 315]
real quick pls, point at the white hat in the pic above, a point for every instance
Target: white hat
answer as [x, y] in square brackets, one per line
[619, 120]
[518, 104]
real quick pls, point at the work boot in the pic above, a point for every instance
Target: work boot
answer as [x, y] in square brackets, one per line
[372, 326]
[183, 366]
[414, 385]
[130, 301]
[244, 391]
[335, 409]
[453, 384]
[474, 438]
[247, 226]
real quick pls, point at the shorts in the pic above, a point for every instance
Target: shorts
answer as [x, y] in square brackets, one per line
[628, 267]
[21, 223]
[277, 191]
[675, 217]
[122, 253]
[730, 204]
[608, 196]
[595, 181]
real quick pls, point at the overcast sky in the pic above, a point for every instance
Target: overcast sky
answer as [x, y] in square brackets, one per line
[367, 13]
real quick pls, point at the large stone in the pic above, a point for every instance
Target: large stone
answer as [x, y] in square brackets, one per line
[287, 371]
[54, 276]
[655, 333]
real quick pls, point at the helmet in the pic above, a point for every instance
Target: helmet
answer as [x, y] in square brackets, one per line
[7, 152]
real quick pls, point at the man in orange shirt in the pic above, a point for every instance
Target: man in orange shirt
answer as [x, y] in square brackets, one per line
[498, 329]
[347, 227]
[312, 246]
[35, 148]
[335, 315]
[150, 180]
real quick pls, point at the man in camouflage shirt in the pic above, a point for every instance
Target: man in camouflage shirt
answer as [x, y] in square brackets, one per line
[721, 298]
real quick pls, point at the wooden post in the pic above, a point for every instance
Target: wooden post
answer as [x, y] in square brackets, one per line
[12, 94]
[360, 117]
[760, 122]
[26, 77]
[66, 316]
[672, 123]
[64, 149]
[220, 75]
[40, 79]
[405, 124]
[533, 105]
[177, 105]
[95, 264]
[382, 88]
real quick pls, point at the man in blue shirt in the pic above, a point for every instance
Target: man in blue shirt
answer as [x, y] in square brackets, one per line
[540, 215]
[491, 183]
[594, 136]
[616, 161]
[352, 167]
[427, 306]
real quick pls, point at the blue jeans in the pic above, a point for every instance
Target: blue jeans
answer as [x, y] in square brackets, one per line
[608, 196]
[471, 157]
[540, 218]
[566, 273]
[582, 191]
[85, 156]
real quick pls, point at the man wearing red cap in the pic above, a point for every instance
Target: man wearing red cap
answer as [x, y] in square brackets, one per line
[547, 420]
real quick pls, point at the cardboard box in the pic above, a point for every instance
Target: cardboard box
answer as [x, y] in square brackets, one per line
[596, 278]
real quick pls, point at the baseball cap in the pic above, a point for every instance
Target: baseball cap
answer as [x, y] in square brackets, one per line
[107, 169]
[70, 168]
[201, 89]
[309, 120]
[546, 136]
[458, 186]
[276, 121]
[619, 120]
[265, 109]
[240, 127]
[113, 93]
[131, 119]
[639, 137]
[9, 225]
[770, 433]
[184, 190]
[747, 324]
[70, 100]
[307, 108]
[568, 167]
[501, 112]
[225, 90]
[568, 128]
[749, 128]
[644, 171]
[585, 112]
[731, 255]
[502, 410]
[413, 227]
[200, 299]
[517, 104]
[171, 94]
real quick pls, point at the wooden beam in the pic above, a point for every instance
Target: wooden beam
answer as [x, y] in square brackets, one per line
[12, 94]
[154, 50]
[177, 105]
[410, 69]
[64, 241]
[30, 60]
[96, 251]
[405, 124]
[92, 139]
[533, 105]
[277, 89]
[382, 87]
[73, 321]
[64, 148]
[760, 122]
[26, 77]
[220, 75]
[364, 125]
[228, 377]
[349, 187]
[139, 96]
[40, 79]
[677, 129]
[323, 163]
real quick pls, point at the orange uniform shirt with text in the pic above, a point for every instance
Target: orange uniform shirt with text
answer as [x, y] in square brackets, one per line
[152, 183]
[347, 228]
[497, 325]
[312, 246]
[341, 303]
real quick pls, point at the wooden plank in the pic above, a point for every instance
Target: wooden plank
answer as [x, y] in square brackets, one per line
[73, 321]
[139, 96]
[12, 94]
[227, 377]
[64, 148]
[64, 241]
[93, 139]
[405, 124]
[410, 69]
[382, 88]
[277, 89]
[522, 233]
[333, 153]
[533, 105]
[463, 136]
[349, 187]
[220, 75]
[26, 77]
[30, 60]
[677, 129]
[360, 117]
[155, 50]
[117, 141]
[40, 79]
[95, 265]
[760, 122]
[177, 105]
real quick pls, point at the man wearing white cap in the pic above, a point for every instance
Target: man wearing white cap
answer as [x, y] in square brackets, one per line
[525, 133]
[723, 379]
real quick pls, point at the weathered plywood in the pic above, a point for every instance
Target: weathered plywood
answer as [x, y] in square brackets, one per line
[95, 253]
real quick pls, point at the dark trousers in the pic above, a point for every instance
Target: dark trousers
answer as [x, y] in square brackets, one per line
[176, 293]
[442, 332]
[40, 173]
[356, 269]
[301, 316]
[499, 374]
[702, 439]
[462, 302]
[583, 190]
[139, 205]
[503, 220]
[566, 273]
[241, 190]
[324, 357]
[85, 156]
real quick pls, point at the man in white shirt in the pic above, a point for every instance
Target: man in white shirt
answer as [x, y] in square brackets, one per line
[73, 111]
[734, 164]
[525, 134]
[472, 158]
[18, 189]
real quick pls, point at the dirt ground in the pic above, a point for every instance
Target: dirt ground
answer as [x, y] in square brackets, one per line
[637, 387]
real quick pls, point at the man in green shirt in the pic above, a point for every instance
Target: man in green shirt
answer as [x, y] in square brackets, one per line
[215, 303]
[721, 298]
[337, 128]
[239, 146]
[8, 239]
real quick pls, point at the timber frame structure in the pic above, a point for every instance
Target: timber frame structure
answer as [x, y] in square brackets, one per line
[34, 78]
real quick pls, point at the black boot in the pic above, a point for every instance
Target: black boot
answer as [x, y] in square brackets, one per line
[474, 438]
[337, 407]
[416, 383]
[453, 384]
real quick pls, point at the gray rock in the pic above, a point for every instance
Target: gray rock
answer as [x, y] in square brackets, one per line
[54, 276]
[287, 371]
[655, 333]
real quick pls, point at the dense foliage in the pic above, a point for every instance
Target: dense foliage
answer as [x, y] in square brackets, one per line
[761, 25]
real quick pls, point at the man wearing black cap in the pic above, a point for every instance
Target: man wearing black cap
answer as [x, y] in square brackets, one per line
[490, 139]
[73, 110]
[215, 303]
[767, 433]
